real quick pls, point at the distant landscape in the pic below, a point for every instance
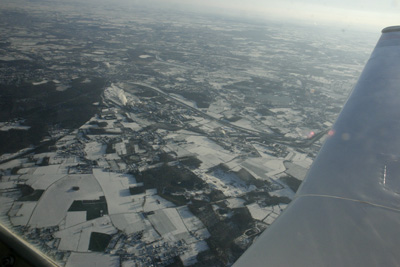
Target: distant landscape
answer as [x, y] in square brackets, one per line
[142, 136]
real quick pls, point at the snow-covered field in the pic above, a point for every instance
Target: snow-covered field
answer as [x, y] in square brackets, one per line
[180, 98]
[265, 214]
[168, 223]
[228, 183]
[42, 181]
[298, 158]
[129, 222]
[57, 199]
[245, 123]
[191, 222]
[155, 202]
[94, 150]
[92, 259]
[210, 153]
[285, 192]
[132, 125]
[12, 163]
[235, 202]
[189, 257]
[21, 212]
[77, 237]
[74, 218]
[116, 190]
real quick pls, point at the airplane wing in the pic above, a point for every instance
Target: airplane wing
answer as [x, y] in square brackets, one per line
[347, 211]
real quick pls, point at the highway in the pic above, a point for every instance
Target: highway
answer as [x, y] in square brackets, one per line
[248, 132]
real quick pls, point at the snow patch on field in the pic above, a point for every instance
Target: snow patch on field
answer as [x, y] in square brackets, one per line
[42, 181]
[21, 212]
[244, 123]
[94, 150]
[92, 259]
[190, 256]
[286, 192]
[257, 212]
[168, 224]
[116, 190]
[49, 170]
[77, 238]
[191, 222]
[57, 199]
[210, 153]
[129, 222]
[132, 125]
[180, 98]
[235, 202]
[266, 214]
[13, 163]
[74, 218]
[39, 83]
[155, 202]
[15, 127]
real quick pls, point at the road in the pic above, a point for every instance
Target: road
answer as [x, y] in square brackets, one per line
[248, 132]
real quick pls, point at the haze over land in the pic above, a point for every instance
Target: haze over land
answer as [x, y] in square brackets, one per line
[366, 15]
[135, 134]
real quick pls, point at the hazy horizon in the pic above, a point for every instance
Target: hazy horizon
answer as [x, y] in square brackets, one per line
[366, 15]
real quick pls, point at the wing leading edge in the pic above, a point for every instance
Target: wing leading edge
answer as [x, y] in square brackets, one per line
[347, 211]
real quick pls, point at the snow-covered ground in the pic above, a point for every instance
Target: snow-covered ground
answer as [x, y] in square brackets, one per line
[129, 222]
[21, 212]
[180, 98]
[228, 183]
[235, 202]
[264, 168]
[245, 123]
[12, 163]
[39, 83]
[285, 192]
[265, 214]
[92, 259]
[77, 237]
[210, 153]
[116, 190]
[155, 202]
[116, 95]
[191, 222]
[120, 148]
[186, 143]
[168, 223]
[57, 199]
[189, 257]
[94, 150]
[42, 181]
[257, 212]
[132, 125]
[6, 128]
[74, 218]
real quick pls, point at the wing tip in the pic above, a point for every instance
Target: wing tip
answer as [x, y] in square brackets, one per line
[391, 29]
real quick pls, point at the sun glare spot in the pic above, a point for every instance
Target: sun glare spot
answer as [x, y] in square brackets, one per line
[346, 136]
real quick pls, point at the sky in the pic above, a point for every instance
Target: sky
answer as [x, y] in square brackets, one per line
[368, 14]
